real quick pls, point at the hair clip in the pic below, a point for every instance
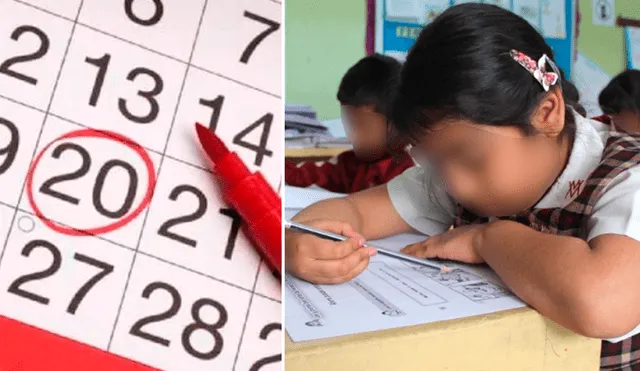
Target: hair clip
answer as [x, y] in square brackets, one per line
[538, 70]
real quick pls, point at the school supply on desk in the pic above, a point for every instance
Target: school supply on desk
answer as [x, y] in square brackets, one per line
[116, 248]
[336, 237]
[301, 109]
[389, 293]
[251, 196]
[304, 130]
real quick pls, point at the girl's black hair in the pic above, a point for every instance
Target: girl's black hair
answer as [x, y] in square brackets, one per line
[460, 68]
[623, 92]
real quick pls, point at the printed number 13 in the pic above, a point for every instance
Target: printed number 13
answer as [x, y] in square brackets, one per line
[150, 95]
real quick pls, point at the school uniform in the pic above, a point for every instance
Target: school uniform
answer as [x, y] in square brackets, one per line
[597, 193]
[346, 173]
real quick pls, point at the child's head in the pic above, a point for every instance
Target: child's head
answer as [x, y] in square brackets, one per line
[365, 95]
[486, 123]
[621, 100]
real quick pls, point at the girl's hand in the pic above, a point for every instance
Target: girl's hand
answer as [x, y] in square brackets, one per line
[459, 244]
[322, 261]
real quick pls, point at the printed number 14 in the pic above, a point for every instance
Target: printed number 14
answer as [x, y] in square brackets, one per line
[265, 121]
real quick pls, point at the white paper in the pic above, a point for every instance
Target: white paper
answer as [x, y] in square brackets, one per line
[553, 19]
[389, 294]
[392, 294]
[632, 36]
[299, 198]
[336, 128]
[529, 10]
[590, 79]
[403, 10]
[145, 71]
[603, 12]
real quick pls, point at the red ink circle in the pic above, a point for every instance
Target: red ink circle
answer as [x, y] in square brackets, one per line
[104, 134]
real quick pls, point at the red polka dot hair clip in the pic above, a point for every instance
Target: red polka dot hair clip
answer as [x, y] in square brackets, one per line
[538, 70]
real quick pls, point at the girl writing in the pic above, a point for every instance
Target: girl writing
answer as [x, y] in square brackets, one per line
[547, 198]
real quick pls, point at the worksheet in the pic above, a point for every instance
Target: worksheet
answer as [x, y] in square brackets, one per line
[389, 293]
[113, 233]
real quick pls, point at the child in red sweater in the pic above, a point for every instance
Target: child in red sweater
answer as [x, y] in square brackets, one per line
[620, 99]
[364, 95]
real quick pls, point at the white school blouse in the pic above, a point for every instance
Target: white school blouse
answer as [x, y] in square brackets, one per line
[424, 204]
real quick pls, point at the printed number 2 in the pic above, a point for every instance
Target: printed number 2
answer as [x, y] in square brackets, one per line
[5, 67]
[266, 330]
[14, 288]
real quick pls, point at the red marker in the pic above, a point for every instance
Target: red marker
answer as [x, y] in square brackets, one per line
[250, 195]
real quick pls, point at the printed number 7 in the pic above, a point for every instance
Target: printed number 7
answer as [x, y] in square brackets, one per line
[273, 27]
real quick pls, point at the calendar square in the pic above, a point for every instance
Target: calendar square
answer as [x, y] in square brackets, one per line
[261, 347]
[6, 216]
[177, 320]
[249, 122]
[32, 47]
[62, 285]
[110, 84]
[167, 26]
[190, 225]
[87, 182]
[19, 129]
[268, 283]
[68, 8]
[243, 40]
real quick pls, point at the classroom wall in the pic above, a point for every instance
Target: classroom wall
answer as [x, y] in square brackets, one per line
[605, 45]
[322, 39]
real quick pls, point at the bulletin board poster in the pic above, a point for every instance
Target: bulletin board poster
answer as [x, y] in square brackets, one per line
[398, 23]
[632, 41]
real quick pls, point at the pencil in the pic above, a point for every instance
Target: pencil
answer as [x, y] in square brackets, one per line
[336, 237]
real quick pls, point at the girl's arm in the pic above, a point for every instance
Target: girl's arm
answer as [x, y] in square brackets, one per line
[369, 212]
[404, 204]
[590, 288]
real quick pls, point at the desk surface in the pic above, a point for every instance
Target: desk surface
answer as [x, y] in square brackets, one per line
[313, 152]
[512, 340]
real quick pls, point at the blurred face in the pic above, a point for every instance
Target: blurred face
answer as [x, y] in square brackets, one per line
[627, 121]
[498, 171]
[366, 130]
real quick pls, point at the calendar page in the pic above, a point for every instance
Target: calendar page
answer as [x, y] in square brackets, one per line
[117, 251]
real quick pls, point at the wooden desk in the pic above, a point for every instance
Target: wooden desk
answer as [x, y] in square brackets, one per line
[513, 340]
[312, 154]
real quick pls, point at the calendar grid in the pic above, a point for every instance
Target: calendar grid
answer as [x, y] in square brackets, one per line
[231, 284]
[162, 53]
[89, 127]
[44, 120]
[166, 145]
[153, 50]
[246, 318]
